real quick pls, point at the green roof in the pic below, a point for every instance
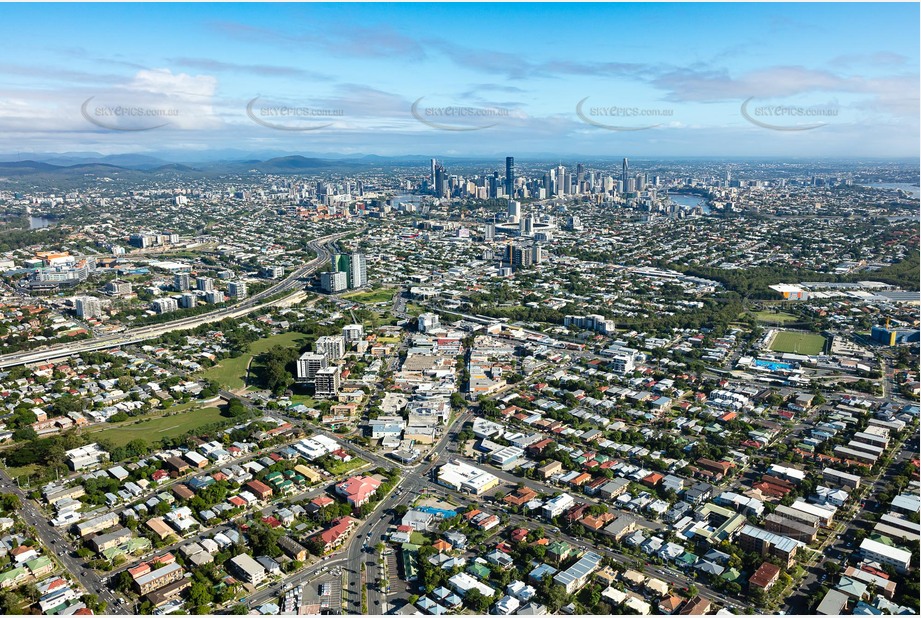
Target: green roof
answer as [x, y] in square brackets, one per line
[882, 538]
[13, 574]
[479, 570]
[731, 575]
[38, 563]
[688, 558]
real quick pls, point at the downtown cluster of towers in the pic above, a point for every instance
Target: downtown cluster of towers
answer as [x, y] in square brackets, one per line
[558, 181]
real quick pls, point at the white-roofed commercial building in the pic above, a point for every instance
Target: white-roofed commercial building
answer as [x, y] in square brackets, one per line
[465, 478]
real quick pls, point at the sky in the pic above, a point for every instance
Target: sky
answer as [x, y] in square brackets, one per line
[663, 80]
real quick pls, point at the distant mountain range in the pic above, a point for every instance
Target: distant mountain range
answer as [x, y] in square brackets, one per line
[115, 165]
[241, 162]
[94, 163]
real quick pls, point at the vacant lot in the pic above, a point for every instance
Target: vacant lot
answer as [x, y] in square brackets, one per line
[798, 343]
[231, 372]
[154, 429]
[342, 467]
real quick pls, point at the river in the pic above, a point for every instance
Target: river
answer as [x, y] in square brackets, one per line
[37, 223]
[690, 201]
[912, 190]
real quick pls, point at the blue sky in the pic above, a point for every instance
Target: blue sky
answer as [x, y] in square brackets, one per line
[653, 79]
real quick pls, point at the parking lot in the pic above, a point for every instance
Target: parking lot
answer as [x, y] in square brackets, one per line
[331, 584]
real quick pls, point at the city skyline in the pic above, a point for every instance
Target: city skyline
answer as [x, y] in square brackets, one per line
[780, 80]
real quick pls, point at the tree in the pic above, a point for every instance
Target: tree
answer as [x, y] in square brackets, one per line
[476, 601]
[235, 408]
[200, 595]
[9, 502]
[123, 581]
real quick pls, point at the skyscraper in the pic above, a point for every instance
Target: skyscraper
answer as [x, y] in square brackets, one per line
[358, 275]
[433, 172]
[341, 263]
[509, 176]
[514, 211]
[441, 185]
[494, 186]
[623, 176]
[562, 181]
[353, 265]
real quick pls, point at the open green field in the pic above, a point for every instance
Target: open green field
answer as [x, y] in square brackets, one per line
[231, 372]
[154, 429]
[413, 309]
[307, 400]
[342, 467]
[373, 296]
[798, 343]
[775, 318]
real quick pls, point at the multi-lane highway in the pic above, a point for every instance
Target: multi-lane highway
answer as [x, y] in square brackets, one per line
[322, 247]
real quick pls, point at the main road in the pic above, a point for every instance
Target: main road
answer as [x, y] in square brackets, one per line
[320, 246]
[58, 544]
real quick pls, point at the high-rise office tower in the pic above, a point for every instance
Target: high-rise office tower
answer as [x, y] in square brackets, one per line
[434, 163]
[441, 184]
[490, 233]
[494, 186]
[509, 176]
[514, 211]
[623, 176]
[580, 173]
[562, 186]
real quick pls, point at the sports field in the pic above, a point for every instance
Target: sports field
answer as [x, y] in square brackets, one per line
[798, 343]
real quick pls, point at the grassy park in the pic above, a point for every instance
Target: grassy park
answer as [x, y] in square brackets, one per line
[153, 429]
[771, 317]
[370, 297]
[231, 372]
